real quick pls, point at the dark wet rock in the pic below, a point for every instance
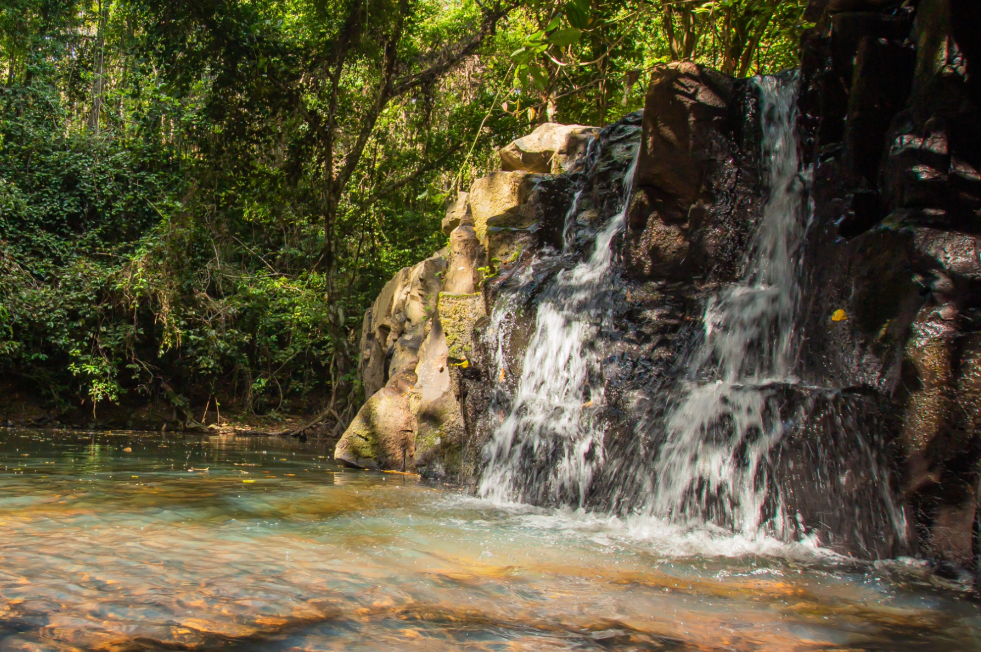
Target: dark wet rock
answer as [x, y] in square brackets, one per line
[685, 110]
[697, 177]
[886, 101]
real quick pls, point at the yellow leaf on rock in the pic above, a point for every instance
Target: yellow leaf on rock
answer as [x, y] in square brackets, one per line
[840, 315]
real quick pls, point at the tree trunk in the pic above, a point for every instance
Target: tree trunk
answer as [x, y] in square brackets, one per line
[98, 84]
[691, 32]
[673, 43]
[754, 42]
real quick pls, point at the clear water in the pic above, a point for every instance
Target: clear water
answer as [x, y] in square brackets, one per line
[275, 548]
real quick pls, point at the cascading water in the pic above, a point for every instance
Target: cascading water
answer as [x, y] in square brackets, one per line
[737, 441]
[711, 465]
[548, 447]
[570, 220]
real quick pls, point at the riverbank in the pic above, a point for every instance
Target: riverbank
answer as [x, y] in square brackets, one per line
[22, 409]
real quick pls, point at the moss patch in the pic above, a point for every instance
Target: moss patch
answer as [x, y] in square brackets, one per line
[458, 313]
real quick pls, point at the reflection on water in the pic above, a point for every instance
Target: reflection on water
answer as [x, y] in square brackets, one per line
[133, 542]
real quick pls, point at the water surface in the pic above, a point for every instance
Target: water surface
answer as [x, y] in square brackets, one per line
[130, 542]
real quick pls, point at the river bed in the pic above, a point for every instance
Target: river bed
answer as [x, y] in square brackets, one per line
[128, 541]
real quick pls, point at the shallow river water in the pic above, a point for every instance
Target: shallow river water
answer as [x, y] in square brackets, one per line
[130, 542]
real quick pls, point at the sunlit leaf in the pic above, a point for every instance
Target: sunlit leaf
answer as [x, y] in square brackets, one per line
[539, 77]
[565, 37]
[554, 23]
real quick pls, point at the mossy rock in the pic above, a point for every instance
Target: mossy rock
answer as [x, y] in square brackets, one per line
[504, 245]
[382, 434]
[440, 435]
[458, 313]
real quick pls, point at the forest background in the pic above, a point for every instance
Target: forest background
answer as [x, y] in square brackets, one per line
[200, 198]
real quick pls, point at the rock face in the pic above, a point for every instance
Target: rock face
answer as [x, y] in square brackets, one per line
[551, 148]
[418, 336]
[500, 193]
[457, 213]
[394, 327]
[885, 414]
[891, 120]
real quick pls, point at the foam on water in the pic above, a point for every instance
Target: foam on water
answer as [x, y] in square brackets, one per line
[660, 537]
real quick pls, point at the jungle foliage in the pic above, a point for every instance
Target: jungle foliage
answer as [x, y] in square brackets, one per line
[199, 198]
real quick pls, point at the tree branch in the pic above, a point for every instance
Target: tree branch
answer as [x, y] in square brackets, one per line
[448, 59]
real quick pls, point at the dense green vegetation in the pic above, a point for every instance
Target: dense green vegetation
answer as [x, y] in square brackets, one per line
[199, 198]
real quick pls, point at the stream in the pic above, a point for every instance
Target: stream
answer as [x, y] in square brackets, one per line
[128, 541]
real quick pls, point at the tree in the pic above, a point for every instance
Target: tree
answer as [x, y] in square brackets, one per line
[580, 54]
[198, 198]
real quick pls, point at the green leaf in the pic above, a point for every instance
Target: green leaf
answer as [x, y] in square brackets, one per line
[564, 37]
[522, 56]
[539, 77]
[578, 18]
[554, 23]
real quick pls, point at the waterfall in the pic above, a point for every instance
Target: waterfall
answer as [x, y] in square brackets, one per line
[719, 431]
[737, 441]
[568, 228]
[548, 447]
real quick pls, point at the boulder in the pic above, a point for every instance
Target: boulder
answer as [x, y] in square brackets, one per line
[382, 435]
[498, 192]
[686, 106]
[457, 213]
[550, 149]
[697, 185]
